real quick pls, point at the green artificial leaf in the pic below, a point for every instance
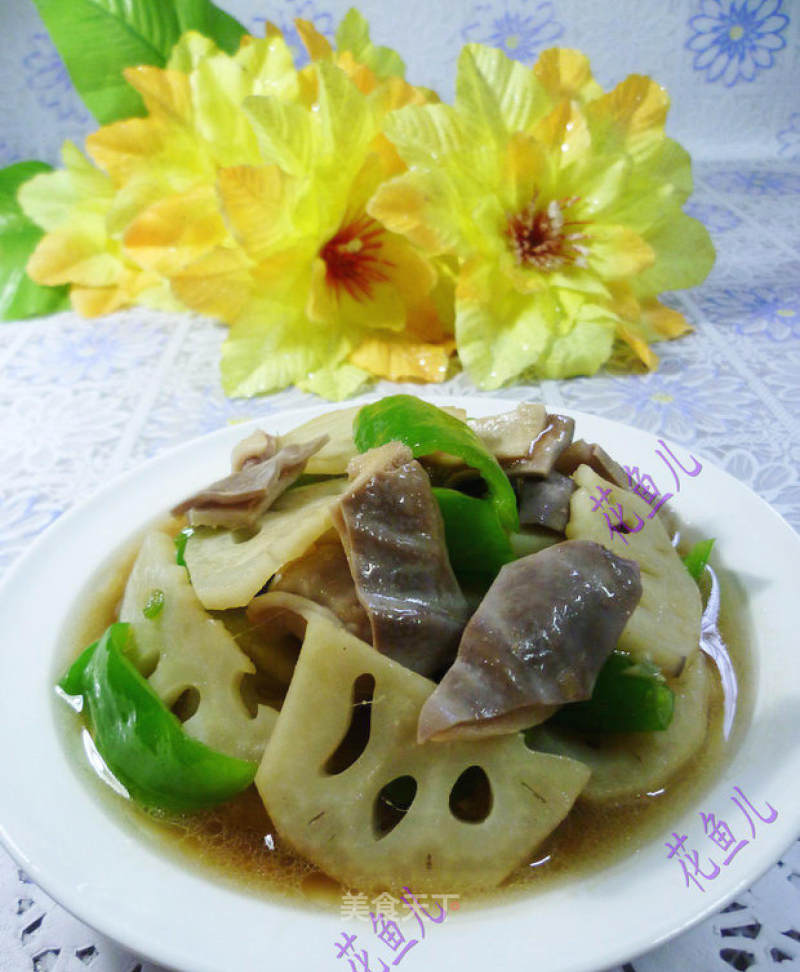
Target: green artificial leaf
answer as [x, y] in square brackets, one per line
[97, 39]
[19, 296]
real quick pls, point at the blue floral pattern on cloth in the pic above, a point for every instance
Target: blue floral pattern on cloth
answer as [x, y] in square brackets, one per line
[789, 138]
[755, 182]
[733, 42]
[521, 30]
[22, 518]
[770, 312]
[72, 354]
[47, 77]
[717, 219]
[284, 21]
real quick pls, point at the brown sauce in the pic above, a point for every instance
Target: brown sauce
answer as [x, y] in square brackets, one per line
[237, 844]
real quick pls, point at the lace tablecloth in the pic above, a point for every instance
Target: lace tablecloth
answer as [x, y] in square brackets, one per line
[81, 401]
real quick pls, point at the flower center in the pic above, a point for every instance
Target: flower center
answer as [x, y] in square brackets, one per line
[544, 237]
[353, 258]
[736, 32]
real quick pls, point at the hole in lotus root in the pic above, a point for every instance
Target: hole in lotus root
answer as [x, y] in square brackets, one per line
[471, 796]
[259, 688]
[185, 706]
[392, 804]
[356, 738]
[242, 535]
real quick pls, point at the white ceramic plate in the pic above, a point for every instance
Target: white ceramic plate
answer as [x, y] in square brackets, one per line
[92, 864]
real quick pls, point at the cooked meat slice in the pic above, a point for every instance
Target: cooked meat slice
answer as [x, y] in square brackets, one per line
[323, 575]
[545, 502]
[511, 435]
[238, 501]
[583, 453]
[257, 447]
[554, 438]
[393, 535]
[537, 641]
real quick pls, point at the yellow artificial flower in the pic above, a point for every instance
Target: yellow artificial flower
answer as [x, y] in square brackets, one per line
[73, 205]
[319, 293]
[154, 169]
[242, 194]
[561, 204]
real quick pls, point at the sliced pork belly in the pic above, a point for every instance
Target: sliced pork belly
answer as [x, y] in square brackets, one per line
[537, 641]
[260, 476]
[393, 535]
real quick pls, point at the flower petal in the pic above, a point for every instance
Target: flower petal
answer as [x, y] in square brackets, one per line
[616, 252]
[684, 256]
[421, 208]
[283, 131]
[564, 133]
[631, 116]
[500, 333]
[352, 35]
[125, 146]
[664, 321]
[427, 133]
[272, 347]
[583, 348]
[51, 198]
[255, 203]
[219, 284]
[398, 357]
[566, 74]
[317, 46]
[337, 383]
[175, 231]
[526, 173]
[496, 95]
[71, 256]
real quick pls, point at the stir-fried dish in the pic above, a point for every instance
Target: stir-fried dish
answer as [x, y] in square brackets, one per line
[447, 644]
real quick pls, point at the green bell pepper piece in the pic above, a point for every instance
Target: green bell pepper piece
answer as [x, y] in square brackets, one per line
[476, 543]
[180, 540]
[424, 428]
[627, 697]
[697, 558]
[154, 605]
[141, 741]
